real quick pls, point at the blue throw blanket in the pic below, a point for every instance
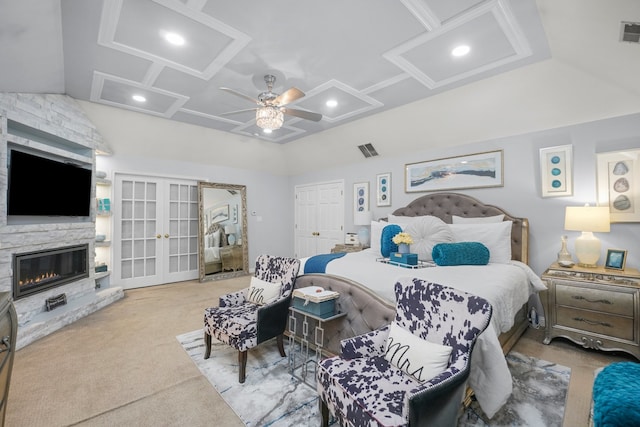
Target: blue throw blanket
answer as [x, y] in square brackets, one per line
[462, 253]
[318, 263]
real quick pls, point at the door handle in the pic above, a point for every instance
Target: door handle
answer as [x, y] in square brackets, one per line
[166, 236]
[158, 236]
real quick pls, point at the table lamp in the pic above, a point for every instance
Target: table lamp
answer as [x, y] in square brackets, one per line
[587, 219]
[363, 218]
[230, 231]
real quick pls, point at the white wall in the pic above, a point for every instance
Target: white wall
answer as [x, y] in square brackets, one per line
[520, 195]
[266, 195]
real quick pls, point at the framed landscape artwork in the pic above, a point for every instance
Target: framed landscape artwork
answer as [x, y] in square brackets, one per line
[618, 184]
[455, 173]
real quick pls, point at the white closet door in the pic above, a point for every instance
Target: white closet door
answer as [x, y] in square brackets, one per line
[319, 216]
[156, 231]
[305, 217]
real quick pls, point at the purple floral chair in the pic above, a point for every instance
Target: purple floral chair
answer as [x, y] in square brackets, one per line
[361, 388]
[243, 324]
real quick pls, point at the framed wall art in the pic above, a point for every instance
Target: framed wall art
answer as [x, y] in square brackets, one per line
[618, 188]
[616, 259]
[455, 173]
[361, 196]
[556, 171]
[383, 189]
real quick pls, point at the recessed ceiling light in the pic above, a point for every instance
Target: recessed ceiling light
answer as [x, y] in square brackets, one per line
[139, 98]
[461, 50]
[174, 38]
[267, 130]
[332, 103]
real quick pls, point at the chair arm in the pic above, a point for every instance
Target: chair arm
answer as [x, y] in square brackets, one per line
[234, 298]
[366, 345]
[272, 319]
[437, 401]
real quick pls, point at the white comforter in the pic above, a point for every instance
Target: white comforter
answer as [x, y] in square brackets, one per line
[506, 286]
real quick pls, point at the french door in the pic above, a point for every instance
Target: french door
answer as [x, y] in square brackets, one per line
[319, 217]
[156, 230]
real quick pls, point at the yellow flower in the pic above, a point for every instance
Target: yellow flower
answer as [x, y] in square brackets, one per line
[402, 238]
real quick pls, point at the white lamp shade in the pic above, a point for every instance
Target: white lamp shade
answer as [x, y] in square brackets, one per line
[587, 218]
[362, 218]
[229, 229]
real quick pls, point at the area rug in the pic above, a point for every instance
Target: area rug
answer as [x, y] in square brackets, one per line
[271, 397]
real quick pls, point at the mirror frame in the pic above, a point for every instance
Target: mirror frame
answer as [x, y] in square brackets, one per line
[242, 189]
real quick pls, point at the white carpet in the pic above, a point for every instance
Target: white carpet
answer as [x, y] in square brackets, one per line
[271, 397]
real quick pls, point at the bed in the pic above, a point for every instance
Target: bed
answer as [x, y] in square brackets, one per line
[366, 285]
[214, 239]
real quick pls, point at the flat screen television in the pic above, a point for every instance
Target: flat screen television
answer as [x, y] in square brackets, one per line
[40, 186]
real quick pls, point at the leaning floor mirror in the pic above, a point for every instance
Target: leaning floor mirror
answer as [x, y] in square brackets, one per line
[222, 236]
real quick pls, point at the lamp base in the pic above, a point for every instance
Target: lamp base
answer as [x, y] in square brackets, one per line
[587, 249]
[580, 264]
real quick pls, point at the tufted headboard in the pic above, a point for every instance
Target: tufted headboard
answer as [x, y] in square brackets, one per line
[444, 205]
[365, 310]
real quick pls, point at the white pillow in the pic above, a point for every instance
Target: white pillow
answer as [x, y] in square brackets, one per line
[401, 220]
[216, 238]
[417, 357]
[376, 234]
[476, 220]
[496, 237]
[426, 232]
[262, 292]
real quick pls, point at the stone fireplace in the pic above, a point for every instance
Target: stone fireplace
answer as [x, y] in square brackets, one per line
[38, 271]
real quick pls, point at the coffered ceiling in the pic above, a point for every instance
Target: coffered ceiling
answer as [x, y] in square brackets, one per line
[368, 55]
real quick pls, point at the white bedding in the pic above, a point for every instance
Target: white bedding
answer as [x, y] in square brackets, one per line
[211, 255]
[506, 286]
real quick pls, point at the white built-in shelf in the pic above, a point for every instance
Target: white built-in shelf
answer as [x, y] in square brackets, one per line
[103, 244]
[101, 274]
[103, 181]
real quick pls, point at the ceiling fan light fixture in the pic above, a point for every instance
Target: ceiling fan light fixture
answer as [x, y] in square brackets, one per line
[269, 117]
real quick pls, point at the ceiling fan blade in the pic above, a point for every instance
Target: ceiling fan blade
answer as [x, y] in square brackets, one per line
[238, 111]
[302, 114]
[288, 96]
[240, 94]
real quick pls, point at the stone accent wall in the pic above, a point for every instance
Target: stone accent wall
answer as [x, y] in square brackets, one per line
[61, 116]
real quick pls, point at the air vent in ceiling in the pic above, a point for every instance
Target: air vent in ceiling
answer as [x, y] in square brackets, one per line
[368, 150]
[630, 32]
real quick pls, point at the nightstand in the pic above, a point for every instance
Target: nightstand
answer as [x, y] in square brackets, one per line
[594, 307]
[231, 257]
[347, 248]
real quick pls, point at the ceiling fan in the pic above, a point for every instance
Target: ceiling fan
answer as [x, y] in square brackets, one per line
[272, 107]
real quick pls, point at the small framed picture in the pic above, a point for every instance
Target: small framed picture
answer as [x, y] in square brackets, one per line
[383, 189]
[616, 258]
[361, 196]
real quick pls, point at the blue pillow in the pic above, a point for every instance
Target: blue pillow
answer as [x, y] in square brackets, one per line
[386, 244]
[462, 253]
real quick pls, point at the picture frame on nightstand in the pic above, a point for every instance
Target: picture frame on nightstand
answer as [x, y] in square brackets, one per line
[616, 259]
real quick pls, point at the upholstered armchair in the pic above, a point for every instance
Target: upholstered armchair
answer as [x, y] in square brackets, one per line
[248, 317]
[387, 378]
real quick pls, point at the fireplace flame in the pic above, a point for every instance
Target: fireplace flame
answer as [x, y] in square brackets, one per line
[44, 277]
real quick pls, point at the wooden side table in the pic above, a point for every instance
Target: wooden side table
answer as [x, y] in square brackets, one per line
[597, 308]
[346, 248]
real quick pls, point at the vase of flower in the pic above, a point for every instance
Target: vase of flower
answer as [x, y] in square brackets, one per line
[403, 240]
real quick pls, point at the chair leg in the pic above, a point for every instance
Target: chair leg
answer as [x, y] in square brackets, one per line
[280, 341]
[242, 366]
[324, 413]
[207, 345]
